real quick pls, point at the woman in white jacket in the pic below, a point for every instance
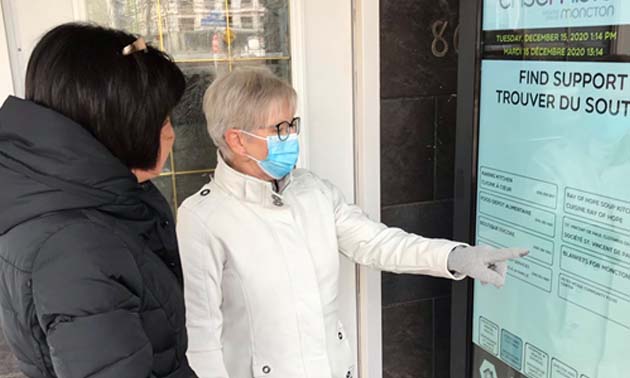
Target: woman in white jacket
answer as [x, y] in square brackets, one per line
[260, 245]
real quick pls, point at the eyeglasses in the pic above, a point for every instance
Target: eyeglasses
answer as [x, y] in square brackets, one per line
[286, 128]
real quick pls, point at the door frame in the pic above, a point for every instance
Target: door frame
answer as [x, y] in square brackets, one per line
[367, 176]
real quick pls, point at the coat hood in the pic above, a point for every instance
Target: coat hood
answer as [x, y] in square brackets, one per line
[49, 163]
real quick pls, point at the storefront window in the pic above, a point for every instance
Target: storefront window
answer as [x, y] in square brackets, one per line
[206, 38]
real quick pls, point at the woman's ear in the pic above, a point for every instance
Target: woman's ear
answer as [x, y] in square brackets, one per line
[234, 140]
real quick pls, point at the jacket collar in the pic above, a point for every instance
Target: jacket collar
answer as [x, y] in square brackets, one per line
[248, 188]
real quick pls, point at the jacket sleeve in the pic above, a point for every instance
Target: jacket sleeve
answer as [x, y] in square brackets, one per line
[203, 259]
[373, 244]
[86, 291]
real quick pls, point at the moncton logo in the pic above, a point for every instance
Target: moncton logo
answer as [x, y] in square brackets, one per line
[564, 9]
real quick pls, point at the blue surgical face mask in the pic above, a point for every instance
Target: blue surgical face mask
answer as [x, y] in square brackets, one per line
[281, 157]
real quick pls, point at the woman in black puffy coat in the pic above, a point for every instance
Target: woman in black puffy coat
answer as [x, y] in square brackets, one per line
[90, 276]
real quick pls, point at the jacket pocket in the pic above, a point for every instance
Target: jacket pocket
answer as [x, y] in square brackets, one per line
[341, 358]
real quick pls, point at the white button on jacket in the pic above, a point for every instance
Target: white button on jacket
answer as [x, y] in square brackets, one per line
[261, 273]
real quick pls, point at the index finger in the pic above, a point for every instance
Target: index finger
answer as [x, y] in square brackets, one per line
[505, 254]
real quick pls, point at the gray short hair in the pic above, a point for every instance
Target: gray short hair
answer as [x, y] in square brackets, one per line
[244, 99]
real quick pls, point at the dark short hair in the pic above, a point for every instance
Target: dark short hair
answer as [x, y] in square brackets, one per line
[79, 70]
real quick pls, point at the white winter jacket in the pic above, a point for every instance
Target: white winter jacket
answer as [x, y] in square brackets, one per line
[261, 272]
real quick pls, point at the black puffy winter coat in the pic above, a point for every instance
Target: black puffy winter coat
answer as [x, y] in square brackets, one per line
[90, 276]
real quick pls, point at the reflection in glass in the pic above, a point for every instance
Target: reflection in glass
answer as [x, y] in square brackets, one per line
[165, 185]
[282, 68]
[193, 148]
[261, 28]
[195, 29]
[134, 16]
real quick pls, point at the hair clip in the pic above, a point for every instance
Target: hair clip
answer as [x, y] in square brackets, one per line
[138, 45]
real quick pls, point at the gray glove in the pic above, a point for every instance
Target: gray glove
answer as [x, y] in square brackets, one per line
[483, 263]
